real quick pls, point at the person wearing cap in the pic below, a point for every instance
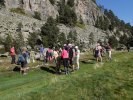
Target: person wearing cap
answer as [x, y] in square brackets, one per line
[76, 58]
[98, 49]
[108, 50]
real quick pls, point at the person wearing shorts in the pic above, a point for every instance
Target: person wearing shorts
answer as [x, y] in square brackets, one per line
[98, 53]
[76, 58]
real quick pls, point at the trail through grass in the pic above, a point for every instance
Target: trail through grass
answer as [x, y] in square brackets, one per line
[112, 80]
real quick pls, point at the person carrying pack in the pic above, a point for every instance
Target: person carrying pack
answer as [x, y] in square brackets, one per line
[23, 60]
[20, 58]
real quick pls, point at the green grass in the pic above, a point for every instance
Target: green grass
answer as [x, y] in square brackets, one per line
[110, 81]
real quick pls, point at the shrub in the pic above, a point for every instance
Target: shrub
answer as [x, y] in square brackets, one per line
[37, 15]
[52, 2]
[72, 36]
[80, 25]
[2, 2]
[70, 3]
[18, 10]
[67, 16]
[61, 39]
[113, 41]
[8, 42]
[32, 39]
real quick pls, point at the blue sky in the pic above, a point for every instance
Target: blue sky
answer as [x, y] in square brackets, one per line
[121, 8]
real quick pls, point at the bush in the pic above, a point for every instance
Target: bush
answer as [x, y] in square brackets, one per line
[70, 3]
[32, 39]
[94, 1]
[102, 22]
[19, 41]
[2, 2]
[18, 10]
[61, 39]
[113, 41]
[8, 42]
[52, 2]
[80, 25]
[67, 16]
[72, 36]
[37, 15]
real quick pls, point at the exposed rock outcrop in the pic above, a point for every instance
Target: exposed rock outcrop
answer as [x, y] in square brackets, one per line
[86, 10]
[9, 23]
[44, 7]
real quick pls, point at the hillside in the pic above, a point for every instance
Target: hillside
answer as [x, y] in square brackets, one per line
[83, 17]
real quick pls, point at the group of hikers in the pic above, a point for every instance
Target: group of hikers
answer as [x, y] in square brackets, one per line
[68, 56]
[99, 51]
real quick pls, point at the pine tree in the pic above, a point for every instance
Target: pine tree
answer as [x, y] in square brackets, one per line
[61, 39]
[50, 31]
[32, 39]
[70, 3]
[8, 42]
[2, 2]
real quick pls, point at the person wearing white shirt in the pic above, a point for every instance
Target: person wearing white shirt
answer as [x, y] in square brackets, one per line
[77, 56]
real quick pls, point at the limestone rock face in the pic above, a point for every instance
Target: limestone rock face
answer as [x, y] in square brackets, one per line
[9, 24]
[84, 34]
[87, 11]
[44, 7]
[12, 3]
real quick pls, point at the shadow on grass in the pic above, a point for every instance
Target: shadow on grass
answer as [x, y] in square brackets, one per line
[88, 62]
[49, 69]
[16, 69]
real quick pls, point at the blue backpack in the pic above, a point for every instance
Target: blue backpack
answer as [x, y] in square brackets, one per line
[21, 58]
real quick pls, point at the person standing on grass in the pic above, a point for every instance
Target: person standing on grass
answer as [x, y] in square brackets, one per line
[32, 56]
[76, 58]
[71, 56]
[49, 54]
[97, 52]
[24, 64]
[108, 50]
[65, 57]
[41, 49]
[128, 47]
[13, 54]
[55, 55]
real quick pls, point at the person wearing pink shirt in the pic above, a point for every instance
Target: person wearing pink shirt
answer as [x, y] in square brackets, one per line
[65, 57]
[12, 53]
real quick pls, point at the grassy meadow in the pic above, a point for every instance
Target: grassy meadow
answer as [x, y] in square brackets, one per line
[94, 81]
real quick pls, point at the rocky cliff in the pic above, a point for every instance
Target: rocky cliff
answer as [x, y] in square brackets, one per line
[44, 7]
[86, 10]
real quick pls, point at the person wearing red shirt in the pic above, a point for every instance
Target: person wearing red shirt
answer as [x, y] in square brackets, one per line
[13, 54]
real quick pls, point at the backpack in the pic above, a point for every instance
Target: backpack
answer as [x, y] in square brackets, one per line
[21, 58]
